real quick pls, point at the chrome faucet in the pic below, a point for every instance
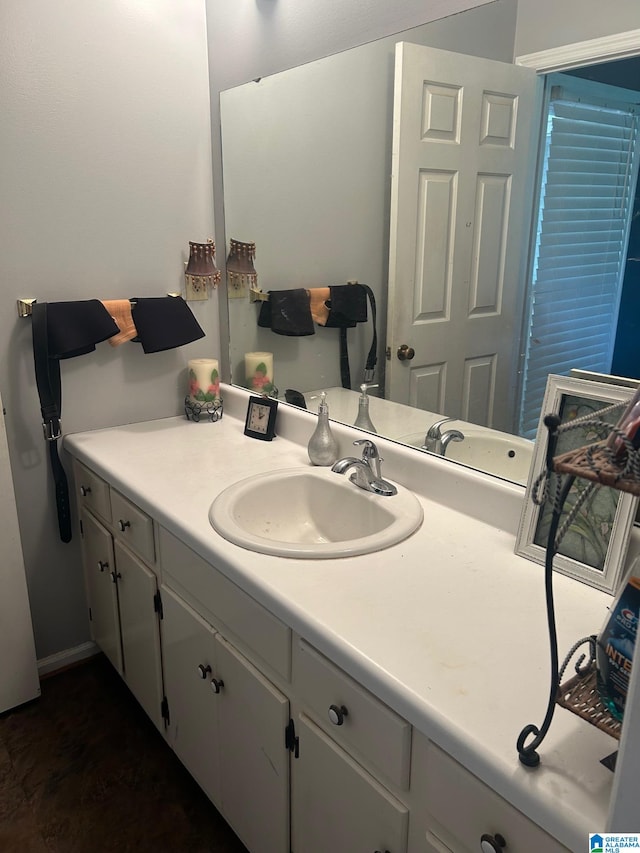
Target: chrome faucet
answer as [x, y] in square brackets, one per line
[367, 470]
[437, 441]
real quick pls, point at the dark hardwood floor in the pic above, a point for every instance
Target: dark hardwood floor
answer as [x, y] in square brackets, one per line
[83, 770]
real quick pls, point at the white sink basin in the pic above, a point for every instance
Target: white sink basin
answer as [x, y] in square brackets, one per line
[312, 513]
[506, 456]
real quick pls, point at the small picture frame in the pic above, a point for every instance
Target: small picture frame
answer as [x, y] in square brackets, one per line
[595, 545]
[260, 422]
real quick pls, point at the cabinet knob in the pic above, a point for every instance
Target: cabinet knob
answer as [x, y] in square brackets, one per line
[405, 353]
[337, 713]
[203, 670]
[102, 565]
[115, 576]
[123, 525]
[492, 843]
[217, 684]
[85, 490]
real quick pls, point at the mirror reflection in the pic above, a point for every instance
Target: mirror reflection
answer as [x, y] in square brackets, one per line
[472, 313]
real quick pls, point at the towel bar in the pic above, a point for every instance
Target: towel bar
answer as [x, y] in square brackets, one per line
[25, 306]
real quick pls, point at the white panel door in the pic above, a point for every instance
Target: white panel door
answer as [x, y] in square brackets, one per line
[19, 680]
[462, 155]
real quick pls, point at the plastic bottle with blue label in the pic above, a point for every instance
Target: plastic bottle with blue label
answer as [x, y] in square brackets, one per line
[615, 647]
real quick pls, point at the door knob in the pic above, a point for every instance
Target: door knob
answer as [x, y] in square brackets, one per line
[85, 490]
[102, 565]
[217, 684]
[122, 524]
[405, 352]
[115, 576]
[337, 714]
[203, 670]
[492, 843]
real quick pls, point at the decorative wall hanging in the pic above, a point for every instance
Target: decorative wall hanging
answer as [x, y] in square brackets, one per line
[240, 269]
[201, 272]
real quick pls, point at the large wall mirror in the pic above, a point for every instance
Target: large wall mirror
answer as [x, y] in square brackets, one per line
[318, 175]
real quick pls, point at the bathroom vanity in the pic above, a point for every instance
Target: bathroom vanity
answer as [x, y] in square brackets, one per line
[362, 703]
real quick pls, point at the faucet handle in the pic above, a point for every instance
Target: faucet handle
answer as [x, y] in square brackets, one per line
[434, 429]
[369, 450]
[370, 455]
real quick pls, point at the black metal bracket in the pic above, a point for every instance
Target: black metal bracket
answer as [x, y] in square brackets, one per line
[291, 741]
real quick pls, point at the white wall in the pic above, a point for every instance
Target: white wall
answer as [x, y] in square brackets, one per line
[105, 176]
[543, 24]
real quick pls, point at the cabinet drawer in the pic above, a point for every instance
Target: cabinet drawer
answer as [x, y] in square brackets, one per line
[451, 791]
[369, 727]
[92, 491]
[203, 586]
[133, 526]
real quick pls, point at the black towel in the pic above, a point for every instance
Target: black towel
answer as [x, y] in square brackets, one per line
[347, 306]
[164, 322]
[287, 312]
[74, 328]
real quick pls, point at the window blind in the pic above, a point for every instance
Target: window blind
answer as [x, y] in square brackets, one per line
[586, 191]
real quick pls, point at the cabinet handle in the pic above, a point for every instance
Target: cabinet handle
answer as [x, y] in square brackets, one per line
[492, 843]
[203, 670]
[85, 490]
[217, 684]
[337, 713]
[378, 851]
[115, 576]
[102, 565]
[123, 525]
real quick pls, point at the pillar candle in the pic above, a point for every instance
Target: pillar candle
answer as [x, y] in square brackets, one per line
[258, 371]
[204, 380]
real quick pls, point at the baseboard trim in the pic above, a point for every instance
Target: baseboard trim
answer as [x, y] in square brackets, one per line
[61, 660]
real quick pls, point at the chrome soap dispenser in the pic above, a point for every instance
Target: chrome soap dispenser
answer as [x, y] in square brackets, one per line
[363, 420]
[322, 447]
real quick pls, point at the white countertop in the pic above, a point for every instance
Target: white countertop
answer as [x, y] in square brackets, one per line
[448, 627]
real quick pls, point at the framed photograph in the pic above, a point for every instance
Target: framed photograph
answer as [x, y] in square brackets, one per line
[594, 548]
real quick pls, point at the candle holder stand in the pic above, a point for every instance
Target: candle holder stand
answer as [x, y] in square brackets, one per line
[209, 411]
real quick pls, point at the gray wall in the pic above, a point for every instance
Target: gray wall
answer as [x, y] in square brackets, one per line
[314, 194]
[105, 176]
[263, 37]
[544, 24]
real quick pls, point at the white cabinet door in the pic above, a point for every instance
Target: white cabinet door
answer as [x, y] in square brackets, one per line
[254, 760]
[137, 588]
[336, 805]
[102, 592]
[188, 653]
